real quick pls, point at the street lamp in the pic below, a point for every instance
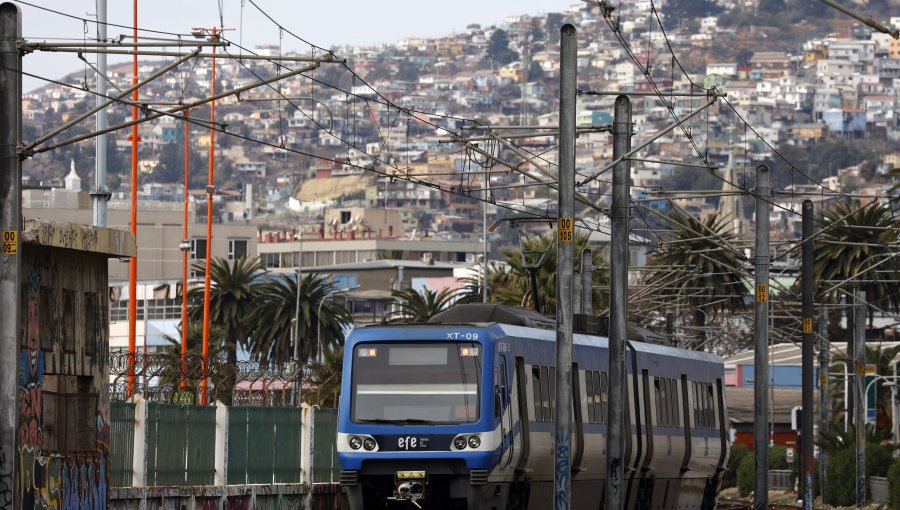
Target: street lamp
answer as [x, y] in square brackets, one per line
[319, 322]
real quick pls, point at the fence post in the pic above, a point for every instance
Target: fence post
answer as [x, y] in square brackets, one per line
[307, 445]
[139, 461]
[221, 476]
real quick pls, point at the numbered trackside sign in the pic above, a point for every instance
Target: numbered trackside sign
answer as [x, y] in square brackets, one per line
[762, 293]
[807, 325]
[10, 242]
[566, 230]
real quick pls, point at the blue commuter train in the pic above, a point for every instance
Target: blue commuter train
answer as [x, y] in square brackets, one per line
[458, 413]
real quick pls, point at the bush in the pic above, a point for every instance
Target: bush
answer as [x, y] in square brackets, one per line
[879, 459]
[746, 475]
[841, 482]
[746, 470]
[893, 476]
[738, 452]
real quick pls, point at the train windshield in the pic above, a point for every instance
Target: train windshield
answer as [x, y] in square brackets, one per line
[416, 383]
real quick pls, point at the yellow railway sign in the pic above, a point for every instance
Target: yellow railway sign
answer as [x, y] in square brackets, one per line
[762, 293]
[566, 230]
[10, 242]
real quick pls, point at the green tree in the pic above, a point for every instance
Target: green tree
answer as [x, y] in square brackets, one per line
[326, 378]
[275, 311]
[513, 286]
[853, 240]
[234, 288]
[706, 273]
[498, 48]
[418, 307]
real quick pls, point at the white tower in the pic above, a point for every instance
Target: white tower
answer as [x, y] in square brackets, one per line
[73, 182]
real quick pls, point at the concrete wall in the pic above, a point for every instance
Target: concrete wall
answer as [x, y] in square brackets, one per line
[63, 419]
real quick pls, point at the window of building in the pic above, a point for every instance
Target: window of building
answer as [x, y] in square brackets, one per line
[345, 217]
[68, 323]
[45, 316]
[92, 324]
[198, 249]
[237, 248]
[68, 414]
[272, 260]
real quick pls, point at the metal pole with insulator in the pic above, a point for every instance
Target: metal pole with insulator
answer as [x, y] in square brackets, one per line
[618, 287]
[562, 480]
[761, 342]
[587, 282]
[10, 223]
[859, 396]
[807, 259]
[824, 405]
[100, 193]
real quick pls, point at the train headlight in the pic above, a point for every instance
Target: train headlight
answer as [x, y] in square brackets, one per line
[354, 442]
[459, 442]
[369, 444]
[474, 441]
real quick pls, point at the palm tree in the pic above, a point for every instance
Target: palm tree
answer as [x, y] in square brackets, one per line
[707, 275]
[852, 241]
[514, 285]
[418, 307]
[172, 352]
[234, 289]
[326, 377]
[275, 311]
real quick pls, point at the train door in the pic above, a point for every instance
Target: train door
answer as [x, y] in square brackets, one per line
[505, 412]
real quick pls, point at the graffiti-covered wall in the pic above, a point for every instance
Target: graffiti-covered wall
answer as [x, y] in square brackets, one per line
[63, 402]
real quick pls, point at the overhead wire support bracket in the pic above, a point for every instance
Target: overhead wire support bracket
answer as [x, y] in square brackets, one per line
[59, 46]
[174, 111]
[708, 93]
[329, 58]
[895, 33]
[644, 145]
[29, 149]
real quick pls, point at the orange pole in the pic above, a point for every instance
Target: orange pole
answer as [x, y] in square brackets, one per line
[184, 256]
[132, 265]
[204, 383]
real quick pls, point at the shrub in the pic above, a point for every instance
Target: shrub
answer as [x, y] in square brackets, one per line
[738, 452]
[879, 459]
[746, 468]
[841, 482]
[893, 476]
[746, 475]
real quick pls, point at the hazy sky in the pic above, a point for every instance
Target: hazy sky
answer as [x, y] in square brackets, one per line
[324, 23]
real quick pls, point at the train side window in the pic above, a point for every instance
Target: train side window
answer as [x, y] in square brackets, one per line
[545, 394]
[589, 395]
[676, 418]
[658, 391]
[536, 389]
[504, 395]
[697, 413]
[552, 380]
[604, 394]
[711, 421]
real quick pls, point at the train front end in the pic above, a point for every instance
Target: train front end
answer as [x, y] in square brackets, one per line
[416, 425]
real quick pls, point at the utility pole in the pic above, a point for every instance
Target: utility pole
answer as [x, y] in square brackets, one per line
[618, 288]
[859, 338]
[587, 281]
[132, 263]
[808, 289]
[100, 193]
[10, 223]
[670, 328]
[484, 241]
[210, 193]
[824, 407]
[761, 338]
[185, 247]
[562, 479]
[296, 331]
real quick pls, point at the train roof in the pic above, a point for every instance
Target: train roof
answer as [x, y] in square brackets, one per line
[492, 313]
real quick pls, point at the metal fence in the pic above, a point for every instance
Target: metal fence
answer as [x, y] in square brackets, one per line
[121, 443]
[326, 468]
[181, 445]
[879, 487]
[780, 479]
[264, 445]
